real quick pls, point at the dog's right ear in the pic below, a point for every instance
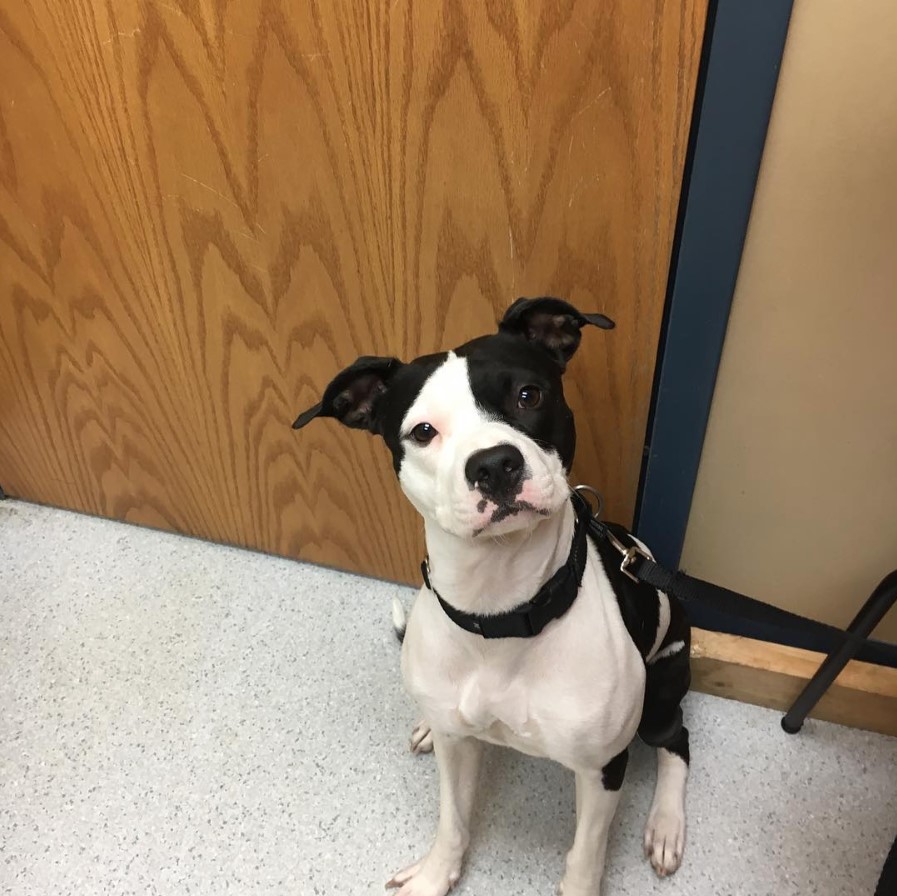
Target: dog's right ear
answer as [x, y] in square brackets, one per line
[353, 395]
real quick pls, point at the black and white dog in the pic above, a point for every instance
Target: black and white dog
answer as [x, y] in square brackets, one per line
[526, 633]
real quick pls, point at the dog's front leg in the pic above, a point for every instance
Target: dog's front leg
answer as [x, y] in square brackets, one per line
[458, 760]
[597, 795]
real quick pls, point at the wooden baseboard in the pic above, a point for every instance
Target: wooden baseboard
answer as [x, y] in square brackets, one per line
[862, 696]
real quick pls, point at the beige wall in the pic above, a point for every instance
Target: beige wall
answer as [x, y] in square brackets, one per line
[796, 499]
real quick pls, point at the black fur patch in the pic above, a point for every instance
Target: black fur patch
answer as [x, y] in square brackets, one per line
[498, 367]
[667, 680]
[666, 684]
[613, 773]
[639, 603]
[679, 745]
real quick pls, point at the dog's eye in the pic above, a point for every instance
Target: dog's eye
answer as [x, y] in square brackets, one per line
[423, 433]
[529, 397]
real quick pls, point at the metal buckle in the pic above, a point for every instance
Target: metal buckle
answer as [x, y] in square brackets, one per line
[629, 554]
[582, 490]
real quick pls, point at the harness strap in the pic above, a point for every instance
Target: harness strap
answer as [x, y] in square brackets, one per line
[639, 566]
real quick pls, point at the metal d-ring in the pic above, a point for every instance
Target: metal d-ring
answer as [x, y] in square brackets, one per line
[588, 490]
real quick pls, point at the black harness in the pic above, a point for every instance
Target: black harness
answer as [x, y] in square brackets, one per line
[556, 596]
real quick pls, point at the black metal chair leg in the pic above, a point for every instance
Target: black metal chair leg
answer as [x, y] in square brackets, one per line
[887, 883]
[880, 601]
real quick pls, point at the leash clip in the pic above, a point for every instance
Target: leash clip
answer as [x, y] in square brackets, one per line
[630, 554]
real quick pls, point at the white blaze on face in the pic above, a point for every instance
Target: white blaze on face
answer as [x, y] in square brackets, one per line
[432, 475]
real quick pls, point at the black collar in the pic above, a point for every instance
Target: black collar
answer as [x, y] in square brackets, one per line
[550, 602]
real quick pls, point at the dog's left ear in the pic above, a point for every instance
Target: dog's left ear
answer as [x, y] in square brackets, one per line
[552, 323]
[353, 395]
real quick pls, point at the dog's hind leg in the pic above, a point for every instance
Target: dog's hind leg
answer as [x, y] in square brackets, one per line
[422, 738]
[665, 830]
[667, 681]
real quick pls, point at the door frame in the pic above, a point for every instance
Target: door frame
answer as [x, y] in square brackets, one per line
[742, 53]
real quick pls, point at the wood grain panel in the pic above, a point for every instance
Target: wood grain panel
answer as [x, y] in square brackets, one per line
[862, 696]
[208, 208]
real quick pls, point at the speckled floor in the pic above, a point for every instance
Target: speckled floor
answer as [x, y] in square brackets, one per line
[178, 717]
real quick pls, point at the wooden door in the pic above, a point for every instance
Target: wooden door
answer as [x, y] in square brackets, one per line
[207, 209]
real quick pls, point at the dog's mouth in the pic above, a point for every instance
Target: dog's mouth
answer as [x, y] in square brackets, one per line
[506, 509]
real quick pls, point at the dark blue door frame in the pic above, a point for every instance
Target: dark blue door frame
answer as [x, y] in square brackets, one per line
[743, 48]
[741, 57]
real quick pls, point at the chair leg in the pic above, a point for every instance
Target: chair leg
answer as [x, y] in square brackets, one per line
[880, 601]
[887, 883]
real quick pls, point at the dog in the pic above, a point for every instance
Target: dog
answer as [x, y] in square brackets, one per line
[526, 632]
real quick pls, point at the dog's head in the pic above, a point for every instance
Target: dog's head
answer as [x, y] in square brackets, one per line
[481, 437]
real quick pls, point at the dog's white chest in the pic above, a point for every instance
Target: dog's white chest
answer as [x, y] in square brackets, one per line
[488, 708]
[573, 695]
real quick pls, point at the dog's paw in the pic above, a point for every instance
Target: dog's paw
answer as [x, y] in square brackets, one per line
[426, 878]
[665, 839]
[578, 888]
[422, 739]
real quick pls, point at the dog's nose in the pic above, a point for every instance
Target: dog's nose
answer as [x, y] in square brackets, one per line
[495, 471]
